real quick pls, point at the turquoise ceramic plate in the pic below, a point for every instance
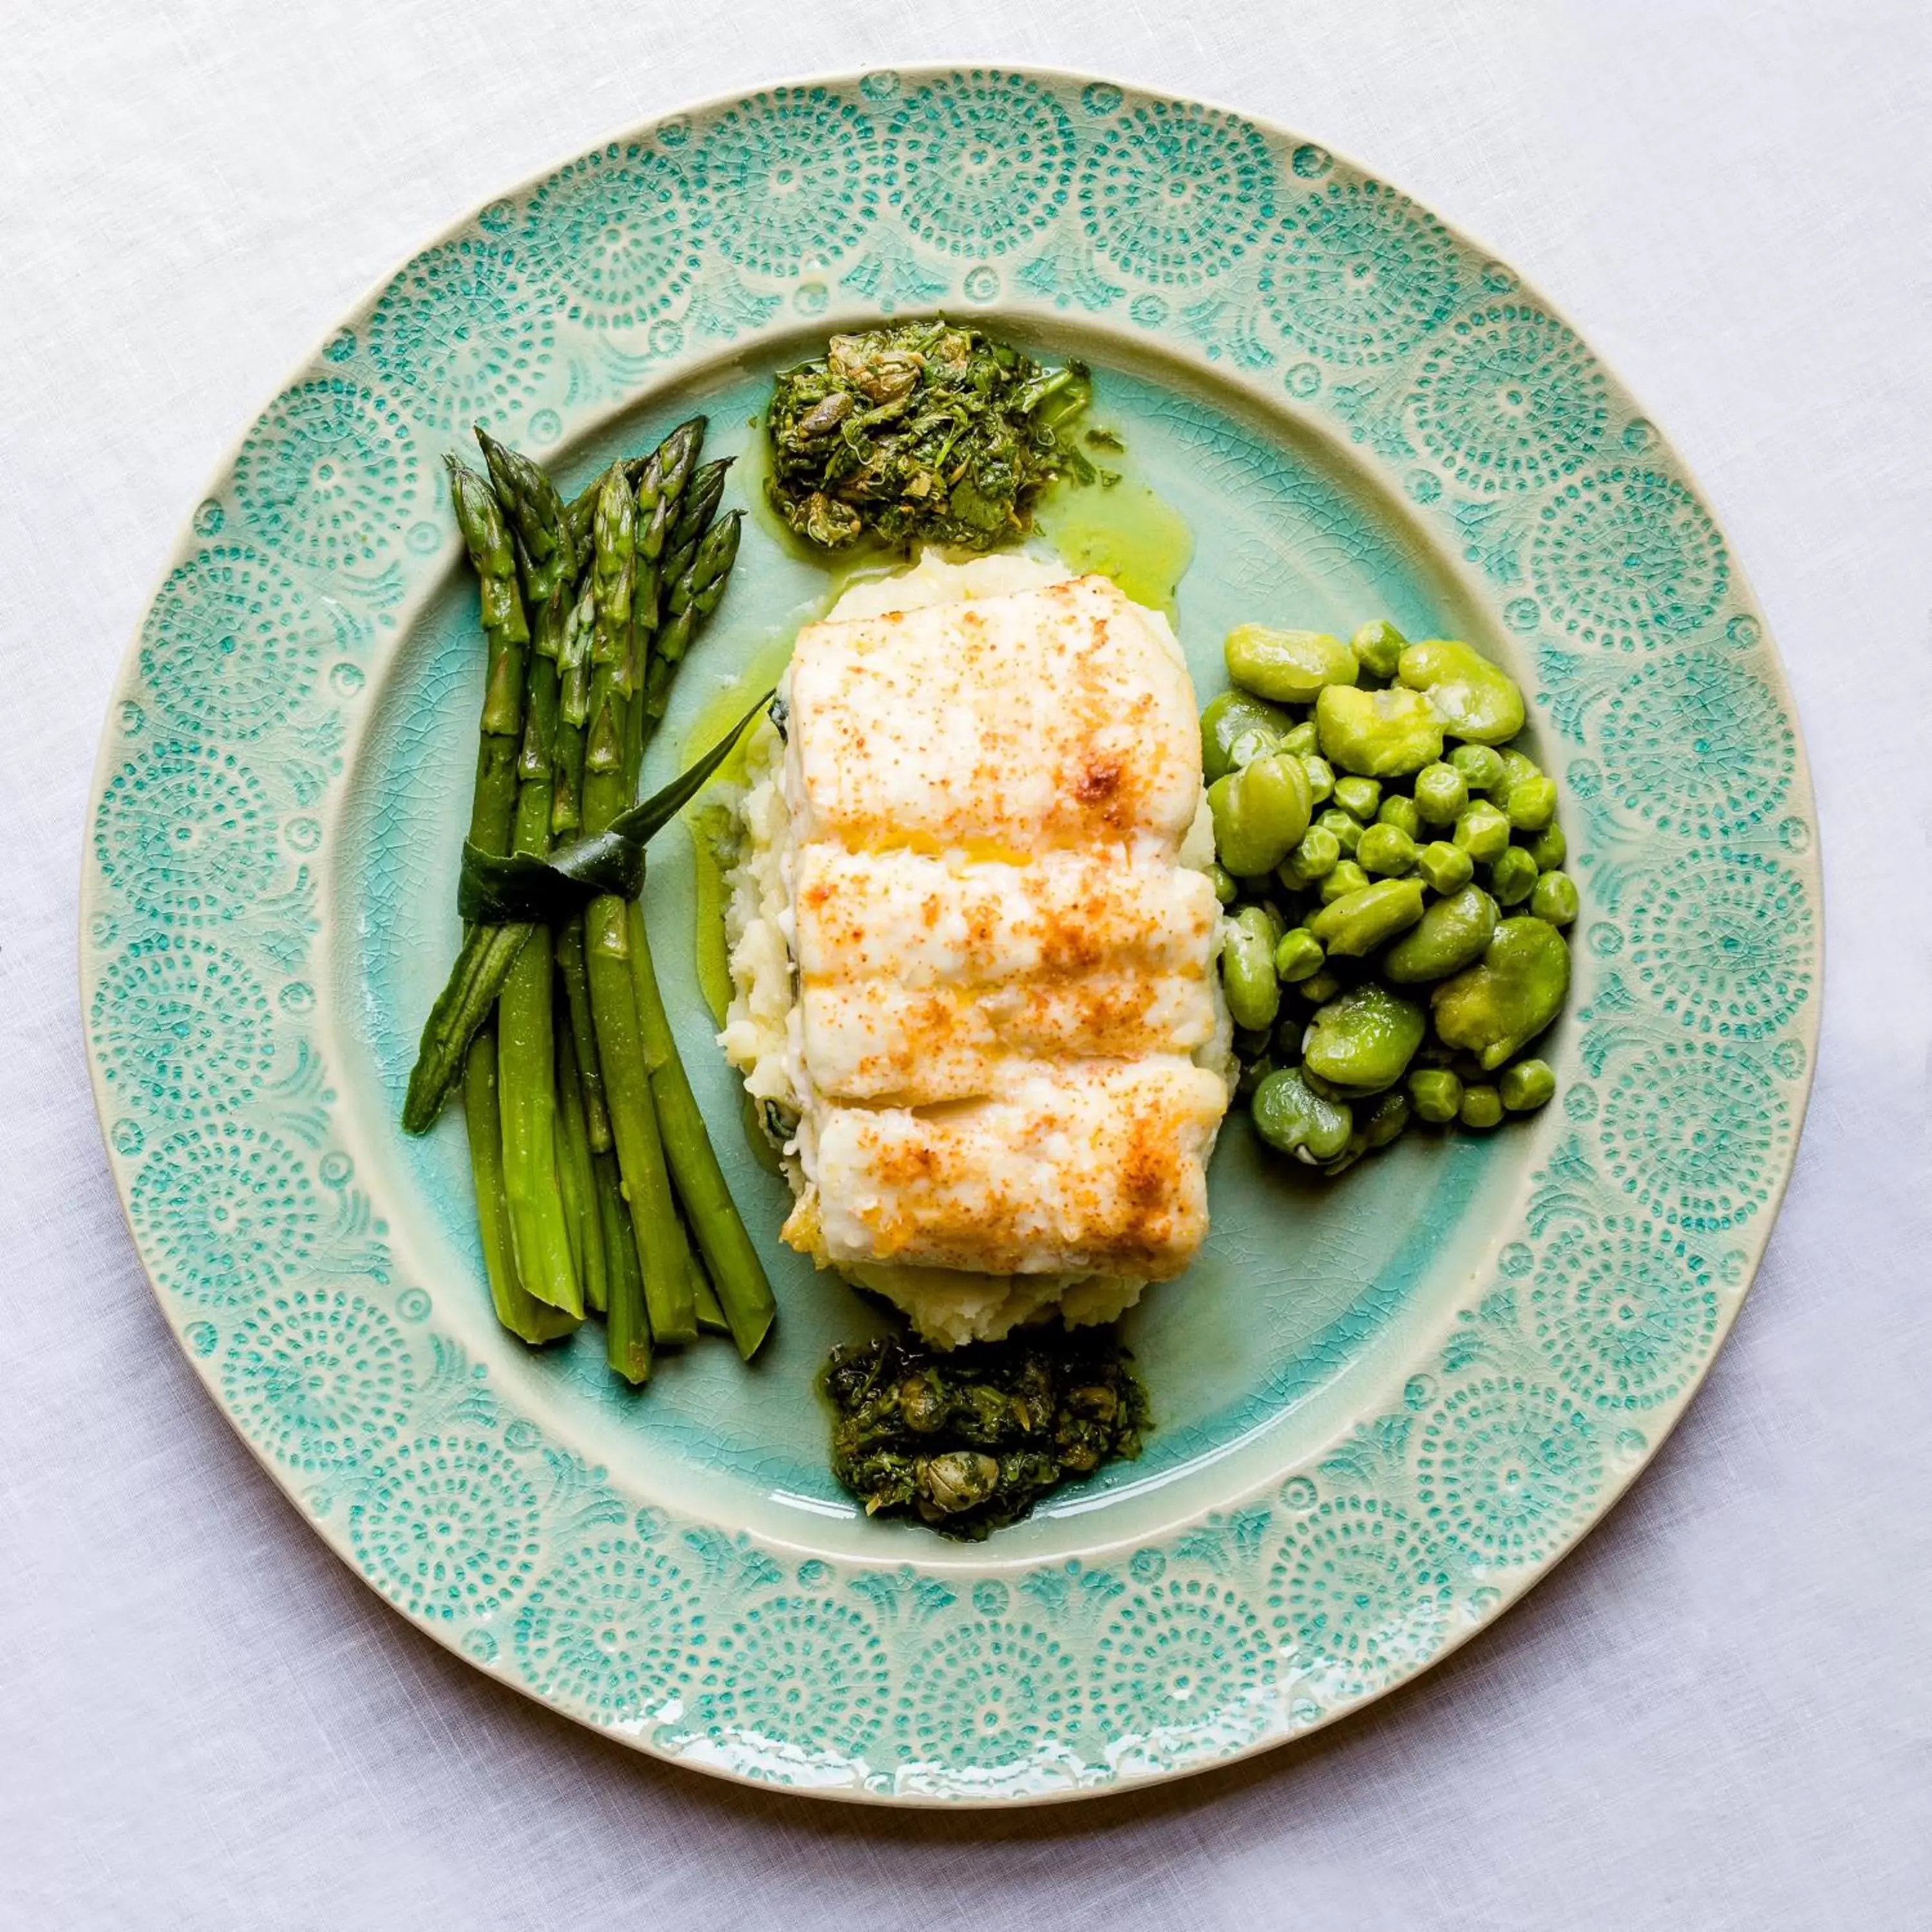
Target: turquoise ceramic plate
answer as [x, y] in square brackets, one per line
[1385, 1407]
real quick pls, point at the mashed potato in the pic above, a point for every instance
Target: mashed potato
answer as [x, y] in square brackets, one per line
[972, 946]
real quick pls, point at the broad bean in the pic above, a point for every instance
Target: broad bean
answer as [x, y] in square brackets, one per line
[1362, 1041]
[1380, 734]
[1476, 701]
[1292, 1119]
[1247, 969]
[1450, 934]
[1356, 922]
[1288, 667]
[1260, 813]
[1495, 1008]
[1238, 717]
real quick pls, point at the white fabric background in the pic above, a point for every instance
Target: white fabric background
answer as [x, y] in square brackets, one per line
[1717, 1714]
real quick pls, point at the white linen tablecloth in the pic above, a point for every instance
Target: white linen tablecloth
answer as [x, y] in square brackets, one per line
[1717, 1713]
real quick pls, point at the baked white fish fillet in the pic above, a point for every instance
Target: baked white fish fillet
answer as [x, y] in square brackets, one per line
[1004, 969]
[1056, 719]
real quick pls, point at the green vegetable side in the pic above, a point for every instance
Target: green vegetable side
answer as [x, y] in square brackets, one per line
[1391, 867]
[597, 1190]
[923, 432]
[967, 1441]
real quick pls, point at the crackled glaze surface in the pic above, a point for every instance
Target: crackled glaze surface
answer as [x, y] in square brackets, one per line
[1285, 1577]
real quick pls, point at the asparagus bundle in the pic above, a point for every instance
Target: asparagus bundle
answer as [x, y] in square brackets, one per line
[598, 1189]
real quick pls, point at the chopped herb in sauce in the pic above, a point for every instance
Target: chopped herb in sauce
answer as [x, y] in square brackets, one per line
[968, 1440]
[922, 432]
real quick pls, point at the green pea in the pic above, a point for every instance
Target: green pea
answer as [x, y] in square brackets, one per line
[1386, 1119]
[1401, 813]
[1378, 645]
[1446, 867]
[1481, 766]
[1303, 741]
[1363, 1040]
[1321, 988]
[1517, 766]
[1250, 1045]
[1549, 848]
[1222, 880]
[1260, 813]
[1297, 955]
[1495, 1008]
[1437, 1094]
[1386, 849]
[1321, 776]
[1379, 734]
[1358, 922]
[1318, 853]
[1531, 803]
[1247, 969]
[1475, 700]
[1347, 877]
[1526, 1085]
[1450, 934]
[1358, 797]
[1513, 877]
[1344, 827]
[1482, 831]
[1554, 898]
[1286, 1045]
[1289, 667]
[1238, 717]
[1294, 1120]
[1440, 793]
[1482, 1107]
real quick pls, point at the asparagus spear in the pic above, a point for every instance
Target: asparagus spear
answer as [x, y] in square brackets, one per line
[574, 1172]
[624, 1286]
[486, 956]
[575, 976]
[661, 1249]
[526, 1049]
[525, 1317]
[736, 1274]
[692, 597]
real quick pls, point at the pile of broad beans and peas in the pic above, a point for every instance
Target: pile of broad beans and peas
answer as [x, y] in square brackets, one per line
[1391, 868]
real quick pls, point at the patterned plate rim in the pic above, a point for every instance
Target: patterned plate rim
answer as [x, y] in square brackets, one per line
[1375, 1557]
